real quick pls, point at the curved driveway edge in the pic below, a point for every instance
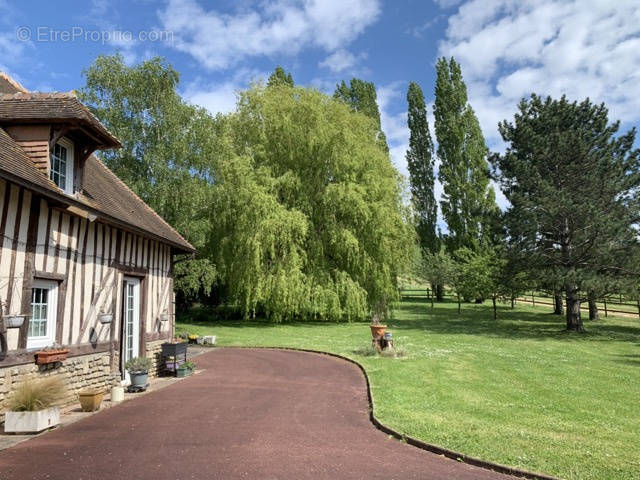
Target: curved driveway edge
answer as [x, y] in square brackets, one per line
[430, 447]
[252, 413]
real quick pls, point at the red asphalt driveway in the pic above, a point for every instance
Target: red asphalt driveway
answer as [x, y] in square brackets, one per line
[251, 414]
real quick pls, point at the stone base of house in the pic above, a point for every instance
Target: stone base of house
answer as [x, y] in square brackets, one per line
[154, 352]
[77, 373]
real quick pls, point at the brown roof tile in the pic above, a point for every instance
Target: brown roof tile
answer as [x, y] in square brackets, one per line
[52, 108]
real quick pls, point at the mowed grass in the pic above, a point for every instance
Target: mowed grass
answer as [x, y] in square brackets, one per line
[518, 391]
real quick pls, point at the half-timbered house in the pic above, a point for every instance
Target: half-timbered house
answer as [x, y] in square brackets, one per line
[85, 264]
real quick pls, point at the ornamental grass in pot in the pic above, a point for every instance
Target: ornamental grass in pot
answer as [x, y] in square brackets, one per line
[32, 405]
[377, 327]
[138, 369]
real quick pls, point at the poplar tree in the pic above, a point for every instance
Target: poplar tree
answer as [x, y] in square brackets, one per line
[280, 77]
[574, 187]
[420, 164]
[468, 201]
[361, 97]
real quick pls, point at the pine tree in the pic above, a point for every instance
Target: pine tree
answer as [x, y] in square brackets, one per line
[361, 96]
[420, 165]
[574, 188]
[280, 77]
[468, 201]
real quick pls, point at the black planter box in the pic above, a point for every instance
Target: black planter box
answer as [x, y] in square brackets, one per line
[174, 349]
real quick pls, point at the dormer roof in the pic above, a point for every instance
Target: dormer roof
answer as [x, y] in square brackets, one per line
[54, 108]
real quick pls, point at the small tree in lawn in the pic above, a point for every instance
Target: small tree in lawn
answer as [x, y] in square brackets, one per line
[439, 268]
[481, 275]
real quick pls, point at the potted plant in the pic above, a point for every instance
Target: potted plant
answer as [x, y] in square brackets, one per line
[32, 406]
[193, 338]
[138, 369]
[185, 369]
[377, 328]
[52, 354]
[90, 400]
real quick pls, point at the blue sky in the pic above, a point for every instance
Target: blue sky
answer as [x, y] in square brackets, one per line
[507, 48]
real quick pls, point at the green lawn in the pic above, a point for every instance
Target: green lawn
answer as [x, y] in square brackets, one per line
[518, 391]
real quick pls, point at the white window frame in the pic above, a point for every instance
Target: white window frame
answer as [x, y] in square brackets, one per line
[52, 309]
[68, 144]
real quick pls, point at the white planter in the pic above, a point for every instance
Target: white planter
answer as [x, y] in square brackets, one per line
[31, 422]
[14, 321]
[209, 339]
[164, 317]
[105, 318]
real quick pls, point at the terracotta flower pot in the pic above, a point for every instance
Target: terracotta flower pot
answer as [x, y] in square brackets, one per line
[377, 331]
[90, 400]
[44, 357]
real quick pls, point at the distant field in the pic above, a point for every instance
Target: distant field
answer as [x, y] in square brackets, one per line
[519, 390]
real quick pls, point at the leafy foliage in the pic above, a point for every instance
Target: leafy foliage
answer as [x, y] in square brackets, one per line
[468, 200]
[420, 165]
[138, 365]
[362, 98]
[573, 185]
[167, 149]
[280, 77]
[307, 214]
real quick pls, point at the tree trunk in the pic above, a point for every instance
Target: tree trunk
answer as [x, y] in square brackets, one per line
[459, 304]
[558, 307]
[513, 302]
[593, 307]
[495, 308]
[574, 321]
[439, 292]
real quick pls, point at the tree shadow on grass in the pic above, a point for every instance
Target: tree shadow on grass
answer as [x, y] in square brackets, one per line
[633, 359]
[443, 318]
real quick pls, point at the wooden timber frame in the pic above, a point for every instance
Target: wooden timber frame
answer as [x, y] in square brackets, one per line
[44, 240]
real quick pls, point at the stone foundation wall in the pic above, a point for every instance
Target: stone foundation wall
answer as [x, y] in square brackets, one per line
[154, 352]
[86, 371]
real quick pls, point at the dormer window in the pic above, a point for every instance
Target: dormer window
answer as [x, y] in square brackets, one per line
[61, 171]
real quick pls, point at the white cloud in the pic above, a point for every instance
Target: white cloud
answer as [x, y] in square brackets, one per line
[219, 40]
[338, 61]
[215, 97]
[511, 48]
[221, 97]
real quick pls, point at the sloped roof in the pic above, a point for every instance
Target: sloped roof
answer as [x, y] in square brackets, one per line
[9, 85]
[52, 108]
[104, 194]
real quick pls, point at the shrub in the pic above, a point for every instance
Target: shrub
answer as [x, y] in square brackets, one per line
[34, 395]
[139, 364]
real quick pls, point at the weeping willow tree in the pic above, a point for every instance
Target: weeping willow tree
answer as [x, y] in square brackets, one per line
[307, 215]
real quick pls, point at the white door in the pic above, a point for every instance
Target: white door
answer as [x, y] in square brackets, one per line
[130, 323]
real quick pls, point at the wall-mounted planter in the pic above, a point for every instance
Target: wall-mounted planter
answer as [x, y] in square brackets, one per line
[14, 321]
[163, 317]
[31, 422]
[44, 357]
[105, 318]
[90, 400]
